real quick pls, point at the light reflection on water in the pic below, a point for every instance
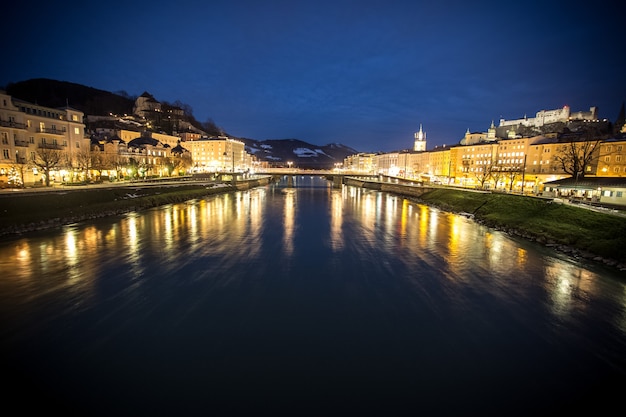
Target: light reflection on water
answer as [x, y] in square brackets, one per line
[303, 293]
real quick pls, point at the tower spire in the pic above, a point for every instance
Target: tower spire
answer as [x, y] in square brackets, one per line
[420, 140]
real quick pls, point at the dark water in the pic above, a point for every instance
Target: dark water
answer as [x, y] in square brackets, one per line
[304, 301]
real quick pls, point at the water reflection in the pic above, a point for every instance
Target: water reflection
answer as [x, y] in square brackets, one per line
[299, 285]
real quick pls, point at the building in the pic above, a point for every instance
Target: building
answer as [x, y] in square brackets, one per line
[360, 163]
[220, 154]
[612, 158]
[28, 131]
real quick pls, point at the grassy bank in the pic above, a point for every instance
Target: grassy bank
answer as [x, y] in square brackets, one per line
[591, 233]
[23, 212]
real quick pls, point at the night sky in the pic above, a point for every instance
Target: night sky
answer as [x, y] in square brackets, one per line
[362, 73]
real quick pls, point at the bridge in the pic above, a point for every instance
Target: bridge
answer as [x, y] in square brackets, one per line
[229, 176]
[377, 182]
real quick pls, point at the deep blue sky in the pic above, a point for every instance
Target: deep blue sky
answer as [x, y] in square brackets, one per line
[362, 73]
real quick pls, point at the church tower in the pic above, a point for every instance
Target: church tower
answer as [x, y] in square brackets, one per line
[491, 133]
[420, 141]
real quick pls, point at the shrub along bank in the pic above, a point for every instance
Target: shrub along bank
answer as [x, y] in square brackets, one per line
[578, 231]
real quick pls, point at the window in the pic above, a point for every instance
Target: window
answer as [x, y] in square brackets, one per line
[5, 138]
[618, 194]
[607, 193]
[608, 148]
[75, 117]
[31, 139]
[618, 158]
[77, 145]
[619, 148]
[607, 159]
[616, 169]
[5, 153]
[77, 131]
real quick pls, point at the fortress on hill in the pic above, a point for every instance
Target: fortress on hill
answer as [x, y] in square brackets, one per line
[510, 129]
[544, 117]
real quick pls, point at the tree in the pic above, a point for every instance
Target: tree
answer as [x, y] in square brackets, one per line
[572, 157]
[496, 175]
[484, 173]
[99, 161]
[212, 129]
[83, 161]
[17, 172]
[47, 159]
[512, 174]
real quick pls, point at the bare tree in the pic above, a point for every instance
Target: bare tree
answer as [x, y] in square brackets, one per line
[47, 159]
[512, 174]
[484, 173]
[496, 174]
[573, 156]
[83, 161]
[99, 161]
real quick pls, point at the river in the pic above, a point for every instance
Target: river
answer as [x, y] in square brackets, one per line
[304, 300]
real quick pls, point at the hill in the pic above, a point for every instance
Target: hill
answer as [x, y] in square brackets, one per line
[55, 94]
[95, 102]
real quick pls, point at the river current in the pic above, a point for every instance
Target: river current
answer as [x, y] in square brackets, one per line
[304, 300]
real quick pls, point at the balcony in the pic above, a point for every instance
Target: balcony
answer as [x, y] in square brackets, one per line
[50, 146]
[21, 143]
[10, 123]
[50, 130]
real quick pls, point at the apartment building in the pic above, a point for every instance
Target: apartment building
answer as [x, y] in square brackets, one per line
[28, 130]
[218, 154]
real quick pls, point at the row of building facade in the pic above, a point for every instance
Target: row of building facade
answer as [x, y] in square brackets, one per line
[120, 147]
[115, 147]
[519, 164]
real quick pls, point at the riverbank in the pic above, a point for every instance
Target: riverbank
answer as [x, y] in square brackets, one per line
[576, 231]
[23, 211]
